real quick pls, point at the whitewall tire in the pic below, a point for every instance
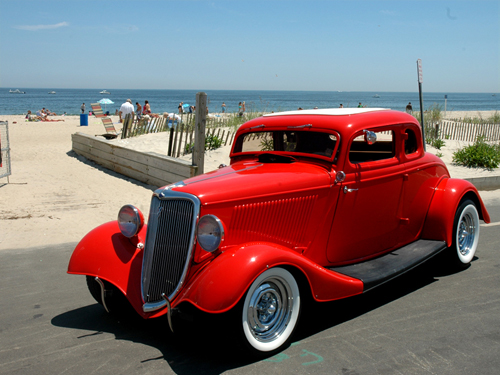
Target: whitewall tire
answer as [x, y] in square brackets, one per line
[271, 310]
[465, 233]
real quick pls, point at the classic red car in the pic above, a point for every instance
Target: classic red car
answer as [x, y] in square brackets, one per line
[328, 203]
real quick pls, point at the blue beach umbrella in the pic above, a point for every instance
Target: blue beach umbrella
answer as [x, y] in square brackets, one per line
[105, 101]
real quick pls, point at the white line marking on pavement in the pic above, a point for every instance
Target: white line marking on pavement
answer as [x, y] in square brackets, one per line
[491, 224]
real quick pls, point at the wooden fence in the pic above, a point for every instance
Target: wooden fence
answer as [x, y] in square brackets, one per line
[180, 135]
[467, 132]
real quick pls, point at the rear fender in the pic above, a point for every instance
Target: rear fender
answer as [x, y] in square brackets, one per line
[221, 284]
[441, 215]
[106, 253]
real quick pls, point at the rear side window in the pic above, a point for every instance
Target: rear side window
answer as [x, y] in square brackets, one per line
[410, 142]
[384, 148]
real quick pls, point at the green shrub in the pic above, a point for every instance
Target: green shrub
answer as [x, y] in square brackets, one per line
[436, 142]
[479, 154]
[212, 142]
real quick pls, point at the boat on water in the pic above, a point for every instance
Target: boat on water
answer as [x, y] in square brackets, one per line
[376, 96]
[104, 92]
[17, 91]
[52, 92]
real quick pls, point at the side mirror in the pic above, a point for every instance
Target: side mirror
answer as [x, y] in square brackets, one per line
[370, 137]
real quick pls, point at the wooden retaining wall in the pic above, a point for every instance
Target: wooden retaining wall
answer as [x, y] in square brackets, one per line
[148, 167]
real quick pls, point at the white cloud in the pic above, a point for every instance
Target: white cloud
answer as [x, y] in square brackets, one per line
[41, 27]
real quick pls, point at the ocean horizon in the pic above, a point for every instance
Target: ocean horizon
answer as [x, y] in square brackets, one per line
[69, 100]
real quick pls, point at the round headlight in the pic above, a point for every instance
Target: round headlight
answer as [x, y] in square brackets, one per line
[130, 220]
[210, 233]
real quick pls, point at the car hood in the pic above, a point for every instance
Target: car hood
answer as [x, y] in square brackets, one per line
[255, 179]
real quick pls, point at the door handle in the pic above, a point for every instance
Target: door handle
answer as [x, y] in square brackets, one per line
[347, 190]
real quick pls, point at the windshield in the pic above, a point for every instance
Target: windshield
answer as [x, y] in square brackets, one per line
[305, 142]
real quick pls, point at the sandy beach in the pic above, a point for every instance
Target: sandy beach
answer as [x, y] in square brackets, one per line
[55, 196]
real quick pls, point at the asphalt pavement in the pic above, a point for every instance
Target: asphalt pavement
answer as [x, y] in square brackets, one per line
[428, 321]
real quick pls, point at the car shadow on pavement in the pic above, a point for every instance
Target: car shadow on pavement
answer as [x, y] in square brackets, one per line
[203, 348]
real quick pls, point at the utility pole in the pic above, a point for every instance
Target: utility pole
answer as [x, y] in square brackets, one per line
[199, 133]
[420, 79]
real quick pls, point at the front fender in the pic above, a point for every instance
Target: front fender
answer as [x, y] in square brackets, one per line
[441, 215]
[222, 283]
[106, 253]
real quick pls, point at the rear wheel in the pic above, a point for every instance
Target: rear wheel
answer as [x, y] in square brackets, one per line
[270, 311]
[465, 234]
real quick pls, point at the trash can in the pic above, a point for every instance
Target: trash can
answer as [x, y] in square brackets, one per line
[84, 119]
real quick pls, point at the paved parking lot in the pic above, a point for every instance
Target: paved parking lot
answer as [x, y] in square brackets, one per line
[427, 322]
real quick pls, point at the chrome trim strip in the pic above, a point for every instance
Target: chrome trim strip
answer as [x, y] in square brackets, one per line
[169, 312]
[103, 292]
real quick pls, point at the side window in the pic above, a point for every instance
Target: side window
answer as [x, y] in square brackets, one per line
[383, 148]
[410, 142]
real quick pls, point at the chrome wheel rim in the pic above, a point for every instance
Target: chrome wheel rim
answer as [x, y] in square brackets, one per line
[466, 234]
[270, 309]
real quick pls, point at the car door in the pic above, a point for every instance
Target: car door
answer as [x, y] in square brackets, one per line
[368, 210]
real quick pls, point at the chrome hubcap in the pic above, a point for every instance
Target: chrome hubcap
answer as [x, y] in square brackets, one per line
[466, 234]
[270, 309]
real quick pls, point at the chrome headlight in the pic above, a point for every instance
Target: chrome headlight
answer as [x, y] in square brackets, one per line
[210, 233]
[130, 220]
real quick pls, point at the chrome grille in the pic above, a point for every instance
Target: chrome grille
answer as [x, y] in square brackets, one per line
[169, 243]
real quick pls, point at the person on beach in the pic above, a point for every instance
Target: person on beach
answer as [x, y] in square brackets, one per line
[82, 108]
[341, 105]
[240, 107]
[409, 108]
[146, 110]
[126, 109]
[138, 110]
[243, 107]
[223, 107]
[180, 108]
[360, 105]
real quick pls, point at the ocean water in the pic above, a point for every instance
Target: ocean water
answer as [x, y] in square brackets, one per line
[70, 100]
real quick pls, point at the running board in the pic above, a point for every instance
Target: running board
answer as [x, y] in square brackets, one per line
[375, 272]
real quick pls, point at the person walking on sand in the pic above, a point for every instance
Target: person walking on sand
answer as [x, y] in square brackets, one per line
[243, 107]
[180, 108]
[83, 108]
[409, 108]
[223, 106]
[240, 111]
[126, 109]
[138, 110]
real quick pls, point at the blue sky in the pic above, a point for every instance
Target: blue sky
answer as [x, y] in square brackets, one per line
[251, 45]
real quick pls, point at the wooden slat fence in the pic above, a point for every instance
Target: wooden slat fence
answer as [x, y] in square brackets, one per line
[180, 135]
[467, 132]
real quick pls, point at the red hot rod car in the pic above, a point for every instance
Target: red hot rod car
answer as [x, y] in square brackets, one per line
[314, 202]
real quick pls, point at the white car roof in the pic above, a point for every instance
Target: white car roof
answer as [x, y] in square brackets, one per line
[328, 111]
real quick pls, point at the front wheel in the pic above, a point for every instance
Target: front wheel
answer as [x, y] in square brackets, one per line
[270, 310]
[465, 234]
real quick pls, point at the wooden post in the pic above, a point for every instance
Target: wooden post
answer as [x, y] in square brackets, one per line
[170, 139]
[199, 136]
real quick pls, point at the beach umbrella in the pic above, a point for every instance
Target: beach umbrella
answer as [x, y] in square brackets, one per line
[105, 101]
